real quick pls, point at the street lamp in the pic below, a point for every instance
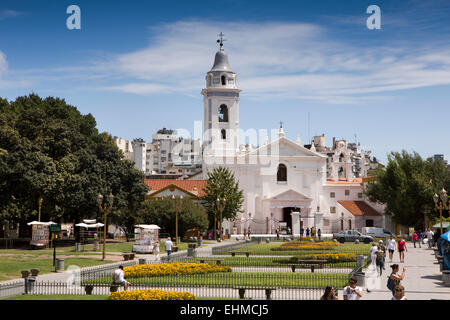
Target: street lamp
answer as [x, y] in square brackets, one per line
[40, 205]
[177, 206]
[220, 202]
[105, 208]
[441, 204]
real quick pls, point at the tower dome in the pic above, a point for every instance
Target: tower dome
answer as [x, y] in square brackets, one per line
[221, 62]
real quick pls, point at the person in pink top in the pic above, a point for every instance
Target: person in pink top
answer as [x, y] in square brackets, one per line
[414, 238]
[401, 250]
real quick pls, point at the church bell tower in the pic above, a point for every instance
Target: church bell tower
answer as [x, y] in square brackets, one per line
[221, 108]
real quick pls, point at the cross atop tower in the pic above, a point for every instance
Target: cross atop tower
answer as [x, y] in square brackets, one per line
[281, 124]
[221, 40]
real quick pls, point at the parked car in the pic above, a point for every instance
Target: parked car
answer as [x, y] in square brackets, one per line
[351, 235]
[377, 232]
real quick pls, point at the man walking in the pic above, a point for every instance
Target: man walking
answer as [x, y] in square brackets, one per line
[391, 247]
[429, 234]
[169, 245]
[352, 292]
[414, 238]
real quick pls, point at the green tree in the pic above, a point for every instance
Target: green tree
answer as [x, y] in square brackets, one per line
[406, 186]
[221, 184]
[54, 152]
[162, 213]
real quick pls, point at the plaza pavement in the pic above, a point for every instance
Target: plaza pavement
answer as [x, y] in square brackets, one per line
[423, 280]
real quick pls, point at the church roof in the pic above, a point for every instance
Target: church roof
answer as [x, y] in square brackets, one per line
[359, 208]
[188, 185]
[221, 62]
[292, 145]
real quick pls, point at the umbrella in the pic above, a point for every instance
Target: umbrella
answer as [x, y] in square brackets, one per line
[147, 226]
[41, 223]
[84, 225]
[444, 225]
[446, 236]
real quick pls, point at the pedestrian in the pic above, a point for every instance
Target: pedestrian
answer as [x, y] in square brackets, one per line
[319, 233]
[380, 259]
[278, 235]
[329, 294]
[395, 278]
[420, 238]
[391, 247]
[373, 253]
[313, 232]
[401, 250]
[156, 250]
[352, 292]
[248, 233]
[169, 245]
[414, 238]
[429, 234]
[399, 293]
[307, 232]
[119, 278]
[302, 231]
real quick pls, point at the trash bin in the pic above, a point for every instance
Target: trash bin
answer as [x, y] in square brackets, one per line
[361, 278]
[199, 242]
[96, 245]
[191, 252]
[60, 264]
[142, 261]
[77, 246]
[30, 284]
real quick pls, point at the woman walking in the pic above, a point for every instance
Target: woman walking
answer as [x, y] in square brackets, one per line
[401, 250]
[391, 247]
[380, 259]
[329, 294]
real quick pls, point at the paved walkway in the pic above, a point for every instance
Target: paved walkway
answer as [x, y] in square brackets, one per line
[423, 280]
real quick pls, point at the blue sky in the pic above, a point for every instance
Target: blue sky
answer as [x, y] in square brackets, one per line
[138, 66]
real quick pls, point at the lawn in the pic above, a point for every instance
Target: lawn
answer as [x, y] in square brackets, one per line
[11, 266]
[254, 279]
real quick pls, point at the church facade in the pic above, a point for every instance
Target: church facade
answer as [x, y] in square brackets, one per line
[286, 185]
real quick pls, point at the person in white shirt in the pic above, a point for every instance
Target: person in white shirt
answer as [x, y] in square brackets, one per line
[429, 235]
[352, 292]
[156, 250]
[391, 247]
[119, 278]
[373, 253]
[168, 245]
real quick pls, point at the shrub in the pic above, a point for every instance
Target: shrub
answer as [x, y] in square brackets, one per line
[151, 294]
[302, 245]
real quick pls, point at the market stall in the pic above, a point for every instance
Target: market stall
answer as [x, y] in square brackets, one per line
[40, 234]
[146, 235]
[90, 230]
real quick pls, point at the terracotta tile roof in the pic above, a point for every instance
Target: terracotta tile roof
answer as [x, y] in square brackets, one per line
[188, 185]
[355, 180]
[359, 208]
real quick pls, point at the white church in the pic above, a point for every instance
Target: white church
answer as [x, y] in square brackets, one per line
[285, 184]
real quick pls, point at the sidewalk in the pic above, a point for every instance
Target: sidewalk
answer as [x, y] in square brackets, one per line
[422, 278]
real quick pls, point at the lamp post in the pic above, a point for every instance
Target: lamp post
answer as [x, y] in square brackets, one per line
[442, 204]
[40, 205]
[177, 206]
[105, 208]
[220, 206]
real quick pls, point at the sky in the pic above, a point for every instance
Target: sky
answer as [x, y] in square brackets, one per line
[139, 66]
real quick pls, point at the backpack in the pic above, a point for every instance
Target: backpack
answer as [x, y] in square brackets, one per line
[390, 284]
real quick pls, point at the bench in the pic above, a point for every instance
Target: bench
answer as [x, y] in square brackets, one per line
[308, 264]
[241, 291]
[233, 253]
[218, 261]
[128, 256]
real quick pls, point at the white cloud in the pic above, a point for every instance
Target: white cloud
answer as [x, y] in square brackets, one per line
[3, 64]
[279, 59]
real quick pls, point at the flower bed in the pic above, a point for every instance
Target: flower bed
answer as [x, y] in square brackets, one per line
[151, 294]
[330, 257]
[170, 269]
[302, 245]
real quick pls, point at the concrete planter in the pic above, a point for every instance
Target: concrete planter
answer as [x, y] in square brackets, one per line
[446, 277]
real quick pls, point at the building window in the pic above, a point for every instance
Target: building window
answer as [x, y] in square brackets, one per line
[332, 195]
[223, 113]
[282, 173]
[224, 80]
[223, 134]
[350, 224]
[360, 195]
[347, 192]
[332, 209]
[326, 222]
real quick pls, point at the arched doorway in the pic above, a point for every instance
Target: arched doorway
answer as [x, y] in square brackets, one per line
[288, 218]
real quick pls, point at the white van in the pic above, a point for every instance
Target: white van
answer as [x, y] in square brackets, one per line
[377, 232]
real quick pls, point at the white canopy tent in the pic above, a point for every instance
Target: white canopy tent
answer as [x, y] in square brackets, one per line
[146, 236]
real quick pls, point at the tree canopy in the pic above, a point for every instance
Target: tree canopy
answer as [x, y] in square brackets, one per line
[52, 151]
[221, 184]
[407, 185]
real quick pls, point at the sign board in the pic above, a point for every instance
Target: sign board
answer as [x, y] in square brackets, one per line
[39, 236]
[54, 228]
